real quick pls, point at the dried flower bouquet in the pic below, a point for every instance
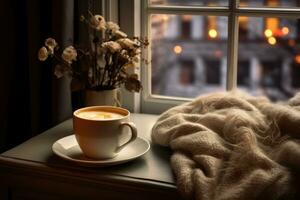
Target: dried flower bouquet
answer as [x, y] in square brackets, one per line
[104, 64]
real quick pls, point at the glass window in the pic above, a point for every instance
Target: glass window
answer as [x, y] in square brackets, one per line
[216, 45]
[188, 54]
[269, 45]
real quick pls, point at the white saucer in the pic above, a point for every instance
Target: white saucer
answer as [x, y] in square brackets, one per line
[68, 149]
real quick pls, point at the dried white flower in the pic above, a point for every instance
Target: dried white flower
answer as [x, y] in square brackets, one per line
[120, 34]
[43, 54]
[127, 43]
[129, 65]
[112, 46]
[69, 54]
[137, 51]
[98, 22]
[82, 18]
[113, 27]
[124, 54]
[50, 43]
[136, 59]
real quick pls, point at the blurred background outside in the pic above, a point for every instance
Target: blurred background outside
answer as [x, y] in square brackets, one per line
[189, 52]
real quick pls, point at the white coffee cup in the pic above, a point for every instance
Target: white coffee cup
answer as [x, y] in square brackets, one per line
[99, 130]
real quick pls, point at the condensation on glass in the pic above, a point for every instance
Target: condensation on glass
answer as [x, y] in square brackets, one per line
[190, 2]
[269, 56]
[188, 54]
[270, 3]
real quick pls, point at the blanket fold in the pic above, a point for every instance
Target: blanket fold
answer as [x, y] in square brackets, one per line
[231, 145]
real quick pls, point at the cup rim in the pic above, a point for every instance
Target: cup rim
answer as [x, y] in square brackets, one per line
[75, 113]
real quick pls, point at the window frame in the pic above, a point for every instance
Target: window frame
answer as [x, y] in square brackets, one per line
[150, 103]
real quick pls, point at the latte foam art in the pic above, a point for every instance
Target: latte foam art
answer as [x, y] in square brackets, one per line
[98, 115]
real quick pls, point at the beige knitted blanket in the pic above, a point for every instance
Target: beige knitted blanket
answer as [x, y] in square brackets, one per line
[231, 146]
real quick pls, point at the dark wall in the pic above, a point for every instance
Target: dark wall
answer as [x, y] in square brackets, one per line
[31, 99]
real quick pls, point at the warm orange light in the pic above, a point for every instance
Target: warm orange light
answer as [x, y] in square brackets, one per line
[177, 49]
[165, 17]
[297, 59]
[212, 33]
[272, 40]
[272, 23]
[285, 30]
[268, 33]
[272, 3]
[278, 33]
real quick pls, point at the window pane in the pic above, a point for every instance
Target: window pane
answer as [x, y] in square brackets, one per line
[190, 2]
[188, 54]
[270, 3]
[269, 56]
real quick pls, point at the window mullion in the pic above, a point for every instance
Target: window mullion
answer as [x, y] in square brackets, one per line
[268, 12]
[146, 53]
[232, 51]
[192, 10]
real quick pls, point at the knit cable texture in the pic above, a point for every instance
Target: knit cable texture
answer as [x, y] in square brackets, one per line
[233, 146]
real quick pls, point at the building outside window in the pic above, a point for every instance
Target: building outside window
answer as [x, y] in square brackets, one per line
[191, 47]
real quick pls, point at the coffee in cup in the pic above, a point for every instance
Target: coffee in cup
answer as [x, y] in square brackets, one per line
[99, 130]
[99, 115]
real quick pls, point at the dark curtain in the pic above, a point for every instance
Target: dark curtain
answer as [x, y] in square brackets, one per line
[32, 99]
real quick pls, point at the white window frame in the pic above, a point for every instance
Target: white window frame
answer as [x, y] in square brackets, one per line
[138, 16]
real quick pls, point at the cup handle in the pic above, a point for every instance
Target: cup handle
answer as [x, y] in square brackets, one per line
[133, 134]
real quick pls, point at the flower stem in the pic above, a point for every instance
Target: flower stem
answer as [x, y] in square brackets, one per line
[95, 41]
